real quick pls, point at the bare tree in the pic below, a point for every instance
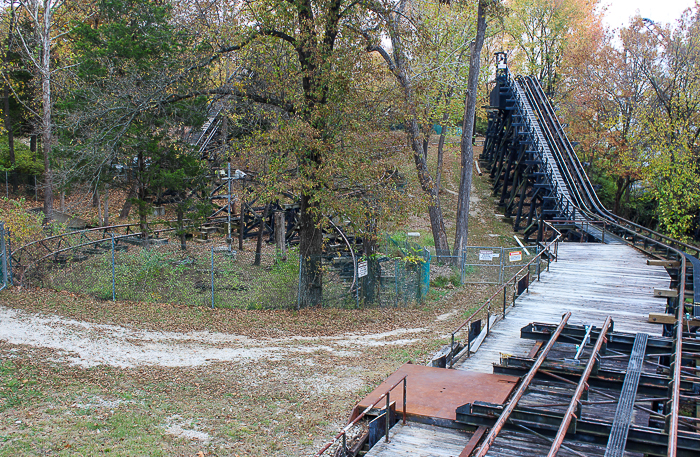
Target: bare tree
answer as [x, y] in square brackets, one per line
[465, 183]
[37, 51]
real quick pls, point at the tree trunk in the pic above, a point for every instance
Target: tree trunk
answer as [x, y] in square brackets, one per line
[46, 134]
[96, 198]
[6, 107]
[181, 227]
[126, 209]
[467, 148]
[437, 222]
[400, 68]
[280, 235]
[261, 232]
[310, 249]
[105, 221]
[142, 200]
[8, 125]
[370, 283]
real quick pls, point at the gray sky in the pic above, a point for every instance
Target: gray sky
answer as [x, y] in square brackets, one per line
[661, 11]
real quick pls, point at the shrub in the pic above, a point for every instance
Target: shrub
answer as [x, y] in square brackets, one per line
[26, 161]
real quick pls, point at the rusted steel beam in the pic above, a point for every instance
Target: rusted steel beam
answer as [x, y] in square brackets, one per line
[525, 383]
[582, 385]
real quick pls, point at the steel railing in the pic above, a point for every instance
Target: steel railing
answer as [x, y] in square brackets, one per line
[342, 435]
[502, 289]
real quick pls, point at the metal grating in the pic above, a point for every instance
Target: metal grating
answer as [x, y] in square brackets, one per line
[623, 412]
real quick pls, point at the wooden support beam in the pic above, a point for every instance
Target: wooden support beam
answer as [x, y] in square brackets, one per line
[662, 318]
[667, 293]
[663, 263]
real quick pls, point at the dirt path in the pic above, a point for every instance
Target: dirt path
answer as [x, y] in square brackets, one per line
[88, 344]
[74, 386]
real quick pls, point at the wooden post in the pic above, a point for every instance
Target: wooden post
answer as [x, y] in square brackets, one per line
[241, 227]
[280, 235]
[261, 232]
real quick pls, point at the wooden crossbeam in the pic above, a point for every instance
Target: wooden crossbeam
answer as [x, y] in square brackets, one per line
[664, 263]
[662, 318]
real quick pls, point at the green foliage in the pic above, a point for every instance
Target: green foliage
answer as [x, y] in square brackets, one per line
[131, 34]
[441, 281]
[25, 161]
[24, 226]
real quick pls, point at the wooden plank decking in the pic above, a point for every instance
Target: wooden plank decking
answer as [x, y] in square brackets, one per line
[419, 440]
[590, 280]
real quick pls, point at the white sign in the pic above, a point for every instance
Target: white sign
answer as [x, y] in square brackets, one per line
[486, 255]
[515, 256]
[362, 269]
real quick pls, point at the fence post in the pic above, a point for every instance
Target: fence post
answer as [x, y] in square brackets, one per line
[357, 286]
[396, 281]
[505, 290]
[8, 252]
[462, 261]
[501, 265]
[212, 277]
[3, 247]
[114, 282]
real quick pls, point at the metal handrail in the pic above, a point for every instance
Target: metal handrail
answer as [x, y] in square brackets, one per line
[342, 434]
[498, 291]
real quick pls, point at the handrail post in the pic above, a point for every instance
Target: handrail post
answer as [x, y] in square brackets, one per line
[404, 399]
[386, 417]
[452, 349]
[505, 289]
[469, 340]
[488, 319]
[345, 445]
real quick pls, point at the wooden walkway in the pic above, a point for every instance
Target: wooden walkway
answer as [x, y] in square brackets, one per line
[419, 440]
[590, 280]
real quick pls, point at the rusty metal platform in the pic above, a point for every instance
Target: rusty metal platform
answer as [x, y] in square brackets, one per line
[437, 393]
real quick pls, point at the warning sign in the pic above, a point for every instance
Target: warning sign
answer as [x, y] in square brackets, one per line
[515, 256]
[486, 255]
[362, 269]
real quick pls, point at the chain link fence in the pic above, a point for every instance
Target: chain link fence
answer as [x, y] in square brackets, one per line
[211, 274]
[494, 265]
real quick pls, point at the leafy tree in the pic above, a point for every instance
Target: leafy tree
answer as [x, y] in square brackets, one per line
[131, 59]
[549, 33]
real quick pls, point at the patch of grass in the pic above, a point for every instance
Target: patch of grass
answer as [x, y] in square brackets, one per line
[15, 387]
